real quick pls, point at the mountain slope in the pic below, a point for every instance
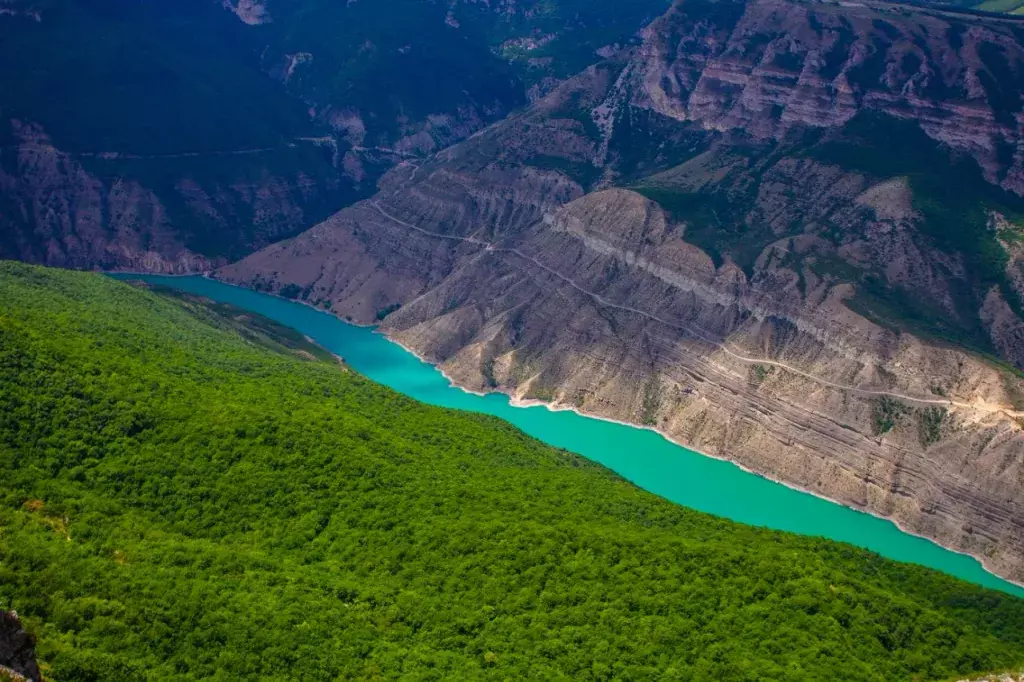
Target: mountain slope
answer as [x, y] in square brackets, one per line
[785, 233]
[146, 136]
[175, 137]
[181, 500]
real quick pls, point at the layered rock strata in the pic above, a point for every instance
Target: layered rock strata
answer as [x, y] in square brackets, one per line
[517, 268]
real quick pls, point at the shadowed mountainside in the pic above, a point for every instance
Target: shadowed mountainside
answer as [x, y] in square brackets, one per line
[175, 137]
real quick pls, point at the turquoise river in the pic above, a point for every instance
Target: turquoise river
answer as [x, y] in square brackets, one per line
[640, 455]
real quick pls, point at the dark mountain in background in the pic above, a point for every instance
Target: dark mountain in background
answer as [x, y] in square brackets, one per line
[174, 136]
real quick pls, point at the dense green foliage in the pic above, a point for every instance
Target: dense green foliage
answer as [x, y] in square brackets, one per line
[190, 492]
[144, 78]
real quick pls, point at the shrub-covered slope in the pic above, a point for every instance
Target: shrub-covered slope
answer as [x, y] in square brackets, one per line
[184, 501]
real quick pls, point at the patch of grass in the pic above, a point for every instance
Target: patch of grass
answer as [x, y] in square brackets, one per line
[930, 421]
[1000, 6]
[290, 291]
[542, 393]
[756, 374]
[487, 370]
[386, 310]
[832, 266]
[583, 172]
[651, 402]
[886, 413]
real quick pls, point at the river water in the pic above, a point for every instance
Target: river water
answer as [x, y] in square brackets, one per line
[640, 455]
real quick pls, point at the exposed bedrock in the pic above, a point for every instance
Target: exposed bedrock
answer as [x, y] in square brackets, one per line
[754, 313]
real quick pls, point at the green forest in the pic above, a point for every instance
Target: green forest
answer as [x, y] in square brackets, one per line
[192, 492]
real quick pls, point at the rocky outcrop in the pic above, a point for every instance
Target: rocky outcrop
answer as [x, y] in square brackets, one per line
[251, 12]
[17, 651]
[754, 320]
[998, 677]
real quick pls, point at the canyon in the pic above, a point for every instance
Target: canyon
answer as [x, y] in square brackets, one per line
[779, 232]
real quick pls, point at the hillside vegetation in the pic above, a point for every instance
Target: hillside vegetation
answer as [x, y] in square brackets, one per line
[192, 492]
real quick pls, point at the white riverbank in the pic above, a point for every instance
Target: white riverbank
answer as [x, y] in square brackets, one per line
[559, 407]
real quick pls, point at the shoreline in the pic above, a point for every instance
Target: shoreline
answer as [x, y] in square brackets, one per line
[560, 407]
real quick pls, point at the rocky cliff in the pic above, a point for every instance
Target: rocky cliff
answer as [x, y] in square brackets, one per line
[766, 231]
[17, 651]
[772, 65]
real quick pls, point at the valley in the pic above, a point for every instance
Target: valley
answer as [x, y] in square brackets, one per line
[472, 339]
[688, 478]
[817, 279]
[192, 490]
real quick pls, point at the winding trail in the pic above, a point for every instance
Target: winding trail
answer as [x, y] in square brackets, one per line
[489, 246]
[129, 156]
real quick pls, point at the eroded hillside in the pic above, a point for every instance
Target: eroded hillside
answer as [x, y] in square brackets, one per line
[783, 233]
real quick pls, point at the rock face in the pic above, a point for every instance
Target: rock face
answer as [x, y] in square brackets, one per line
[767, 66]
[752, 287]
[17, 650]
[85, 211]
